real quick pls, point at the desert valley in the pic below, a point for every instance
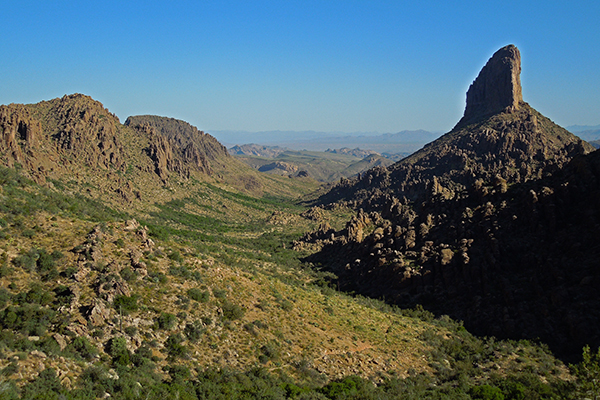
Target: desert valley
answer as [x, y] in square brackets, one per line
[145, 259]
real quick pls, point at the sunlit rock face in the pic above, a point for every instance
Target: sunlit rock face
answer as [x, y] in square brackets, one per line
[497, 87]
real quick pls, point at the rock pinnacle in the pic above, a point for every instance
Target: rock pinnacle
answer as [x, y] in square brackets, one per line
[497, 87]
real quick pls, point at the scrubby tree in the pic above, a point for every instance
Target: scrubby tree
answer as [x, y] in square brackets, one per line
[588, 374]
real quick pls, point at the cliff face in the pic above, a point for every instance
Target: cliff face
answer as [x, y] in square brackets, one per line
[177, 146]
[498, 86]
[19, 132]
[495, 223]
[75, 137]
[47, 137]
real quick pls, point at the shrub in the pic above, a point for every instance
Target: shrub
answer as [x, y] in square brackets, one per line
[232, 311]
[27, 261]
[201, 296]
[486, 392]
[63, 295]
[176, 256]
[117, 349]
[194, 331]
[179, 373]
[39, 260]
[45, 386]
[270, 351]
[4, 297]
[166, 321]
[588, 373]
[126, 304]
[131, 330]
[128, 274]
[345, 388]
[84, 348]
[29, 319]
[174, 346]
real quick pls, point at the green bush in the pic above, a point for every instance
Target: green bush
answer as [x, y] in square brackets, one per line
[232, 311]
[83, 348]
[39, 260]
[117, 349]
[166, 321]
[128, 274]
[342, 389]
[131, 330]
[201, 296]
[126, 304]
[486, 392]
[178, 373]
[45, 386]
[587, 373]
[174, 346]
[4, 297]
[176, 256]
[194, 331]
[29, 319]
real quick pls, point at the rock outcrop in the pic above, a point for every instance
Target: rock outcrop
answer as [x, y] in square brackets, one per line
[490, 224]
[515, 143]
[75, 137]
[49, 137]
[176, 146]
[498, 86]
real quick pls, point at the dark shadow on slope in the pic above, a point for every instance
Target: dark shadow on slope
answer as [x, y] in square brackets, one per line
[516, 262]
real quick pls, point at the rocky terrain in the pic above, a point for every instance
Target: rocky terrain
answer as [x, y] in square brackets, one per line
[494, 223]
[356, 152]
[516, 144]
[323, 166]
[140, 260]
[257, 150]
[76, 140]
[176, 146]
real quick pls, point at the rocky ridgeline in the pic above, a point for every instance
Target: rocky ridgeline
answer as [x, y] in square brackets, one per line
[515, 143]
[45, 137]
[257, 150]
[352, 152]
[517, 262]
[495, 223]
[177, 146]
[75, 134]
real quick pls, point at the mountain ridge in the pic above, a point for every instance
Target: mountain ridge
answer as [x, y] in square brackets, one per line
[516, 143]
[439, 228]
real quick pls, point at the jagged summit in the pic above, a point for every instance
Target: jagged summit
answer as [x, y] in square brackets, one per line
[497, 87]
[499, 137]
[177, 146]
[488, 224]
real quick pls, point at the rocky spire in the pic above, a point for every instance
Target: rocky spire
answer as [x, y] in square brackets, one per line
[497, 87]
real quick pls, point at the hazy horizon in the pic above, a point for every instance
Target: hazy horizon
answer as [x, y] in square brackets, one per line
[381, 66]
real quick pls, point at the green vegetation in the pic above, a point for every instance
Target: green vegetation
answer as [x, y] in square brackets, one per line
[23, 198]
[322, 166]
[220, 306]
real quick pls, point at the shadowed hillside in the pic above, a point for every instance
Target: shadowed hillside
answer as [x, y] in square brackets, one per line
[145, 262]
[494, 223]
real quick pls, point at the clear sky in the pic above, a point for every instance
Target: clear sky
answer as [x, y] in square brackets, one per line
[319, 65]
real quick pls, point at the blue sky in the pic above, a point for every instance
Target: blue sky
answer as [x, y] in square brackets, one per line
[323, 65]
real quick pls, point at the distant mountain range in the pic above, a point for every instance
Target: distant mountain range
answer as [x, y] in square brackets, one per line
[400, 142]
[587, 132]
[324, 166]
[387, 144]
